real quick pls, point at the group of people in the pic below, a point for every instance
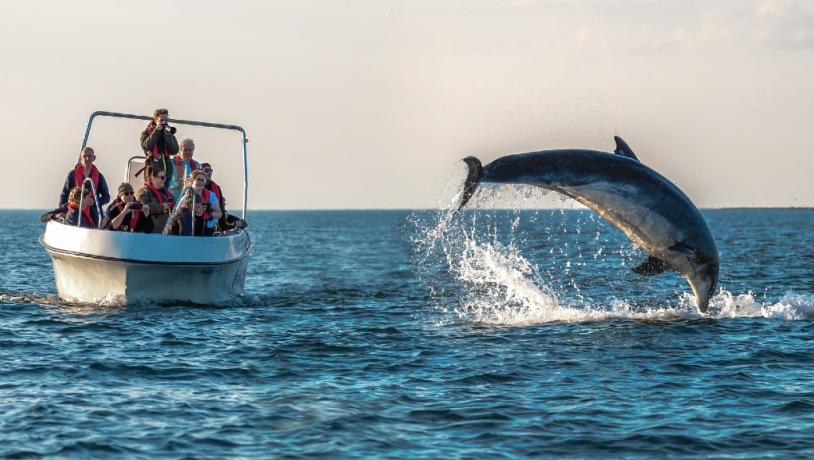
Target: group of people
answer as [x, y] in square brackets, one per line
[173, 179]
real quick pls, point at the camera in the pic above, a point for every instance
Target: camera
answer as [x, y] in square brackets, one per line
[170, 129]
[136, 206]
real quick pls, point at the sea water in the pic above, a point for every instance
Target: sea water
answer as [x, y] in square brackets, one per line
[418, 334]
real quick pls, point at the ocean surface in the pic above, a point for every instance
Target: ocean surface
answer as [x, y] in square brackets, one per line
[494, 334]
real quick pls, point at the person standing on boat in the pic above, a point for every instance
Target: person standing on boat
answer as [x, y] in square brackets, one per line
[79, 205]
[208, 200]
[159, 143]
[155, 196]
[76, 177]
[183, 166]
[125, 214]
[213, 187]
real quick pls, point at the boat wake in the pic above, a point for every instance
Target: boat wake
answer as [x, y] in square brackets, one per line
[117, 303]
[479, 273]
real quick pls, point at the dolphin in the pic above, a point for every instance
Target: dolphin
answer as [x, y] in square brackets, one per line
[643, 204]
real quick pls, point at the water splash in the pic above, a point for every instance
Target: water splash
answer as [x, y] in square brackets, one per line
[480, 267]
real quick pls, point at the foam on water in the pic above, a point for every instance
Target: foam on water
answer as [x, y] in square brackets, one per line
[506, 289]
[503, 288]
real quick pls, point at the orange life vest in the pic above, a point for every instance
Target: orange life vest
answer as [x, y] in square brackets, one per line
[79, 175]
[158, 196]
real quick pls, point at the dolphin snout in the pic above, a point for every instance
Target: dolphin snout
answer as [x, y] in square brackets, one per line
[703, 284]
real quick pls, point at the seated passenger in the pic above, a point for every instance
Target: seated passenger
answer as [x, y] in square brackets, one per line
[209, 200]
[183, 166]
[214, 187]
[126, 214]
[181, 223]
[156, 197]
[159, 143]
[76, 177]
[79, 208]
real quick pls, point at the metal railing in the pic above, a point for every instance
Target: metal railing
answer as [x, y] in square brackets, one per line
[205, 124]
[95, 199]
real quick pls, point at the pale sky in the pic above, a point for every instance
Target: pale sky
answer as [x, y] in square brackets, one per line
[369, 104]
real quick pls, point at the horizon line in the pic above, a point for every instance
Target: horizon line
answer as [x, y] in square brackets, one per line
[468, 209]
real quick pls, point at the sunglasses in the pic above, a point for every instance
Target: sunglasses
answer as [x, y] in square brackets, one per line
[207, 170]
[160, 177]
[128, 193]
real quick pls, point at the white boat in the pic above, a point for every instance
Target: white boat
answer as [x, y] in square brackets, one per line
[101, 266]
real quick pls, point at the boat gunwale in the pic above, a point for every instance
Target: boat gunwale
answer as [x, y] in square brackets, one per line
[246, 249]
[85, 255]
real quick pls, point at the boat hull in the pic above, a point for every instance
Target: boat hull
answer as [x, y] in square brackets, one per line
[97, 266]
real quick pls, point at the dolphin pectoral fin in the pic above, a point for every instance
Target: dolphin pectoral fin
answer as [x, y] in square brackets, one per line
[651, 267]
[623, 149]
[682, 248]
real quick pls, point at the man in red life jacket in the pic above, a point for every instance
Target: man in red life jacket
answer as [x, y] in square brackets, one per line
[159, 143]
[183, 165]
[125, 214]
[76, 177]
[155, 196]
[215, 188]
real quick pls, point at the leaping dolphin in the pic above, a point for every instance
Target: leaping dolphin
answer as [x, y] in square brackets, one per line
[643, 204]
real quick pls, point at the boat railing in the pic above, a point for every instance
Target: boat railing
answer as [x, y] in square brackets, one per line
[204, 124]
[129, 163]
[192, 214]
[95, 199]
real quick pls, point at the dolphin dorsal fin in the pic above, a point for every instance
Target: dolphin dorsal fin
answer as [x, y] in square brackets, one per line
[623, 149]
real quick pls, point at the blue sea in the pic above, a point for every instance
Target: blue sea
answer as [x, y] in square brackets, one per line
[380, 334]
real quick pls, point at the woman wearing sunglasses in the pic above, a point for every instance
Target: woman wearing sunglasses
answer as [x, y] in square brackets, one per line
[126, 214]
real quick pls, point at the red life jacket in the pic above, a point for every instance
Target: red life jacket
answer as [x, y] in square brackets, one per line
[134, 216]
[86, 214]
[204, 201]
[158, 196]
[79, 176]
[178, 161]
[212, 186]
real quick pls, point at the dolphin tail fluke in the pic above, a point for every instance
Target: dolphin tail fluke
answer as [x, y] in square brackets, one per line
[651, 267]
[473, 179]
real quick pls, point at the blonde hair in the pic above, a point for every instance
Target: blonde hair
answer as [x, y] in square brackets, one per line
[196, 173]
[75, 195]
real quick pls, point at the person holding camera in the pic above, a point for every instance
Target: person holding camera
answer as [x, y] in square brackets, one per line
[209, 201]
[125, 214]
[79, 200]
[157, 197]
[183, 223]
[159, 143]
